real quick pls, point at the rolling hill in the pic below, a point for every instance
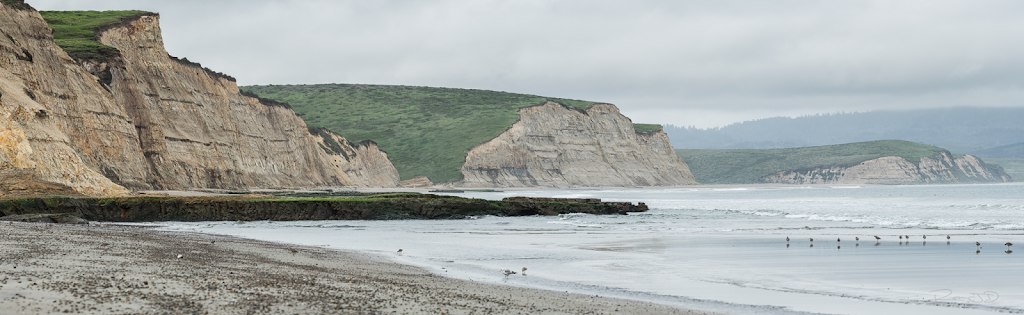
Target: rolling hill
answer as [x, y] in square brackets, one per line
[960, 130]
[425, 131]
[745, 166]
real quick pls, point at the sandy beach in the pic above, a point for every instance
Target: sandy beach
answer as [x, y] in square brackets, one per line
[113, 269]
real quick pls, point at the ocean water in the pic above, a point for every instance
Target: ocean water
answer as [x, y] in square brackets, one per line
[724, 249]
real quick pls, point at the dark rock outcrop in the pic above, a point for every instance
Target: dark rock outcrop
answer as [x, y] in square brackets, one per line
[248, 208]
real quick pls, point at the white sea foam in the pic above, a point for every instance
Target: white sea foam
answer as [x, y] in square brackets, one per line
[722, 249]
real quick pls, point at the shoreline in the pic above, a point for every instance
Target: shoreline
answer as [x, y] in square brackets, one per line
[108, 268]
[427, 190]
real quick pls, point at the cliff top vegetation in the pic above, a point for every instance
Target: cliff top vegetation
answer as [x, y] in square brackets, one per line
[18, 4]
[426, 131]
[75, 31]
[745, 166]
[646, 127]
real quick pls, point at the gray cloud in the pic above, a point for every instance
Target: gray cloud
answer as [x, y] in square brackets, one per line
[680, 62]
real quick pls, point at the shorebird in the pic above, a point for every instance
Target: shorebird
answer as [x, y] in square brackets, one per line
[1008, 244]
[524, 271]
[399, 250]
[857, 238]
[924, 236]
[947, 237]
[507, 272]
[838, 240]
[877, 238]
[812, 239]
[787, 239]
[901, 237]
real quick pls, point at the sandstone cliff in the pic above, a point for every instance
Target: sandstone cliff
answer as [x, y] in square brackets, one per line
[55, 119]
[364, 163]
[896, 170]
[553, 145]
[148, 120]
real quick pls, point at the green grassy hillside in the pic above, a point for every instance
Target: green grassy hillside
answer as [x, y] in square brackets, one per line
[1012, 166]
[426, 131]
[75, 30]
[745, 166]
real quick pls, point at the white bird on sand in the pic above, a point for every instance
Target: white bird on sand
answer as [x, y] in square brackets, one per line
[179, 256]
[507, 272]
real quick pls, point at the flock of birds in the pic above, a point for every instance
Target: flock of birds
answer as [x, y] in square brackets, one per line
[877, 239]
[509, 272]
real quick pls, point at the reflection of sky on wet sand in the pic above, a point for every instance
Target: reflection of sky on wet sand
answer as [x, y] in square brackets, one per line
[727, 247]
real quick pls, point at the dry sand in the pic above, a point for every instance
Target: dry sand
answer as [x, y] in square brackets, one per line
[112, 269]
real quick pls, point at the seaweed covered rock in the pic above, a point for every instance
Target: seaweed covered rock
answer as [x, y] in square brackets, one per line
[256, 207]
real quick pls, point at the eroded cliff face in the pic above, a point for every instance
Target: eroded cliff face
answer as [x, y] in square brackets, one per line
[892, 170]
[364, 163]
[553, 145]
[150, 121]
[55, 119]
[195, 128]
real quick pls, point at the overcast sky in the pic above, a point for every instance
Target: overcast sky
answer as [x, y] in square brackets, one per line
[702, 63]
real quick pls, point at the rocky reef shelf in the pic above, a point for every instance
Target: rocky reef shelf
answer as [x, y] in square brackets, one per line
[262, 207]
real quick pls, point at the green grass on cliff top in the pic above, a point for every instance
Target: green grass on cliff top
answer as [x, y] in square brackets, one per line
[646, 127]
[749, 165]
[74, 31]
[426, 131]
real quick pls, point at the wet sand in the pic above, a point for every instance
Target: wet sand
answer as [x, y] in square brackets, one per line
[112, 269]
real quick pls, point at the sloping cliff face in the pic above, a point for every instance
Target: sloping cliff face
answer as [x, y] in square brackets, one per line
[56, 121]
[195, 128]
[364, 163]
[553, 145]
[148, 121]
[892, 170]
